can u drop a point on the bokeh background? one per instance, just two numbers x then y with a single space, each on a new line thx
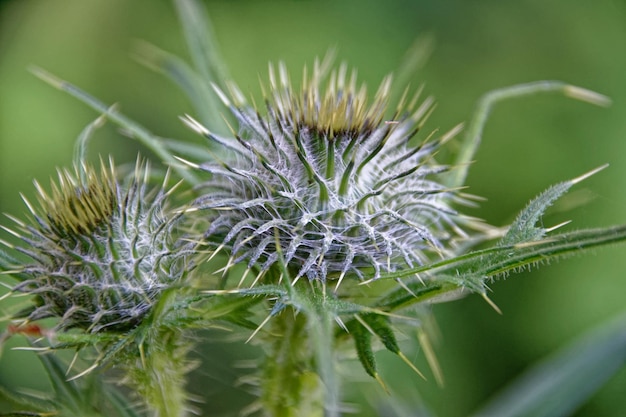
481 45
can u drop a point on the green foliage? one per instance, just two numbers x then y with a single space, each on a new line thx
313 178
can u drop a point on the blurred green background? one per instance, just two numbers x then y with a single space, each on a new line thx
528 145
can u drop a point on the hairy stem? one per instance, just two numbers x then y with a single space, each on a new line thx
158 374
290 386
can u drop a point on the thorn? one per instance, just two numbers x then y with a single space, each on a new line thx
186 162
32 349
451 133
429 353
263 323
219 292
174 187
588 174
369 281
194 125
243 277
533 243
258 277
407 289
219 248
381 382
553 228
225 269
142 356
491 303
15 219
221 95
343 274
341 324
72 362
12 232
588 96
85 372
411 365
296 279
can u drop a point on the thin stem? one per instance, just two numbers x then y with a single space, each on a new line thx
289 384
159 373
321 329
474 133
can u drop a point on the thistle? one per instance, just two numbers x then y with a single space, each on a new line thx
321 188
101 254
325 184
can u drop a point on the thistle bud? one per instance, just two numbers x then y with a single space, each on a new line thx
100 253
327 182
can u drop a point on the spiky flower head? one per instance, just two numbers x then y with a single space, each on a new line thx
100 253
326 182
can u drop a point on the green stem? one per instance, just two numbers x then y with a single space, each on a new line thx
159 373
289 381
321 330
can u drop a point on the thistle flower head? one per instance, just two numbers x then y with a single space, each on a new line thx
100 253
322 183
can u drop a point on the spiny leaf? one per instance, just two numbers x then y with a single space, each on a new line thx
523 228
502 259
415 292
8 264
363 344
381 326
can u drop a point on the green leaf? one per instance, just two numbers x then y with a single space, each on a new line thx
415 292
561 383
199 92
523 228
363 345
30 404
207 60
381 327
80 148
470 271
10 265
502 259
201 40
143 135
66 393
86 396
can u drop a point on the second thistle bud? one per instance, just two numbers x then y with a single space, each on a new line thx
100 253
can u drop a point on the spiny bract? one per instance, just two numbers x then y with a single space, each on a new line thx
101 254
324 183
